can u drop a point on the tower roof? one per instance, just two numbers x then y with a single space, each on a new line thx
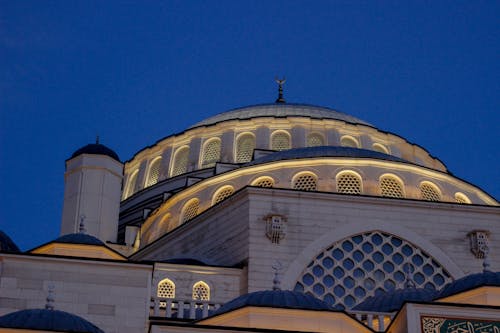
96 149
7 244
394 300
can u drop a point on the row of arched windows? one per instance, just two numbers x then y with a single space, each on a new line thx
244 147
200 290
347 182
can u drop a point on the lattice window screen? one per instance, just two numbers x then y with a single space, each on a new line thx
264 182
305 183
154 172
349 183
315 140
429 192
391 187
280 141
223 194
244 148
461 198
180 162
201 291
132 185
166 288
190 210
211 153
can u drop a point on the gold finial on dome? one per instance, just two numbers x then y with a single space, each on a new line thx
280 83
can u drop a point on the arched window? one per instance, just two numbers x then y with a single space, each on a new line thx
315 140
462 198
263 182
372 263
166 289
222 194
154 172
349 141
305 182
380 148
201 291
211 153
429 192
132 184
391 186
245 145
190 210
280 140
180 161
349 182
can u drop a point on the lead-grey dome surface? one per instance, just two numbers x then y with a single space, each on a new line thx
280 111
7 244
393 300
48 320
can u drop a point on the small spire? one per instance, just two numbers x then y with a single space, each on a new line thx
97 139
50 298
277 266
408 279
486 259
280 83
81 228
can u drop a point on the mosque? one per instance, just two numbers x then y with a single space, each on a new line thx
277 217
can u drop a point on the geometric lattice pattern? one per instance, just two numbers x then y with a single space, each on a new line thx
244 148
201 291
461 198
391 187
211 153
305 183
223 194
349 183
347 141
280 141
264 182
180 162
190 210
315 140
154 172
166 288
368 264
132 183
429 192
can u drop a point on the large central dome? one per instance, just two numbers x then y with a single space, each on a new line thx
279 111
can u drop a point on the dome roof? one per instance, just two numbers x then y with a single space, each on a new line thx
323 151
96 149
48 320
284 299
78 238
469 282
6 243
394 300
280 110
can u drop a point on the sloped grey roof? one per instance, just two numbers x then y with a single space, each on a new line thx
394 300
284 299
281 110
470 282
48 320
323 151
7 244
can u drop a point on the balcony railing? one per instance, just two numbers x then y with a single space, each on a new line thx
376 321
181 309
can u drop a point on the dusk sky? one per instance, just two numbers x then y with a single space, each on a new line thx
134 72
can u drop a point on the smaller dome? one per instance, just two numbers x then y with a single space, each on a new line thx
7 244
323 151
275 299
469 282
96 149
394 300
48 320
78 238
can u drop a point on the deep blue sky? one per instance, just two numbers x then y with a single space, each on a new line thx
134 72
